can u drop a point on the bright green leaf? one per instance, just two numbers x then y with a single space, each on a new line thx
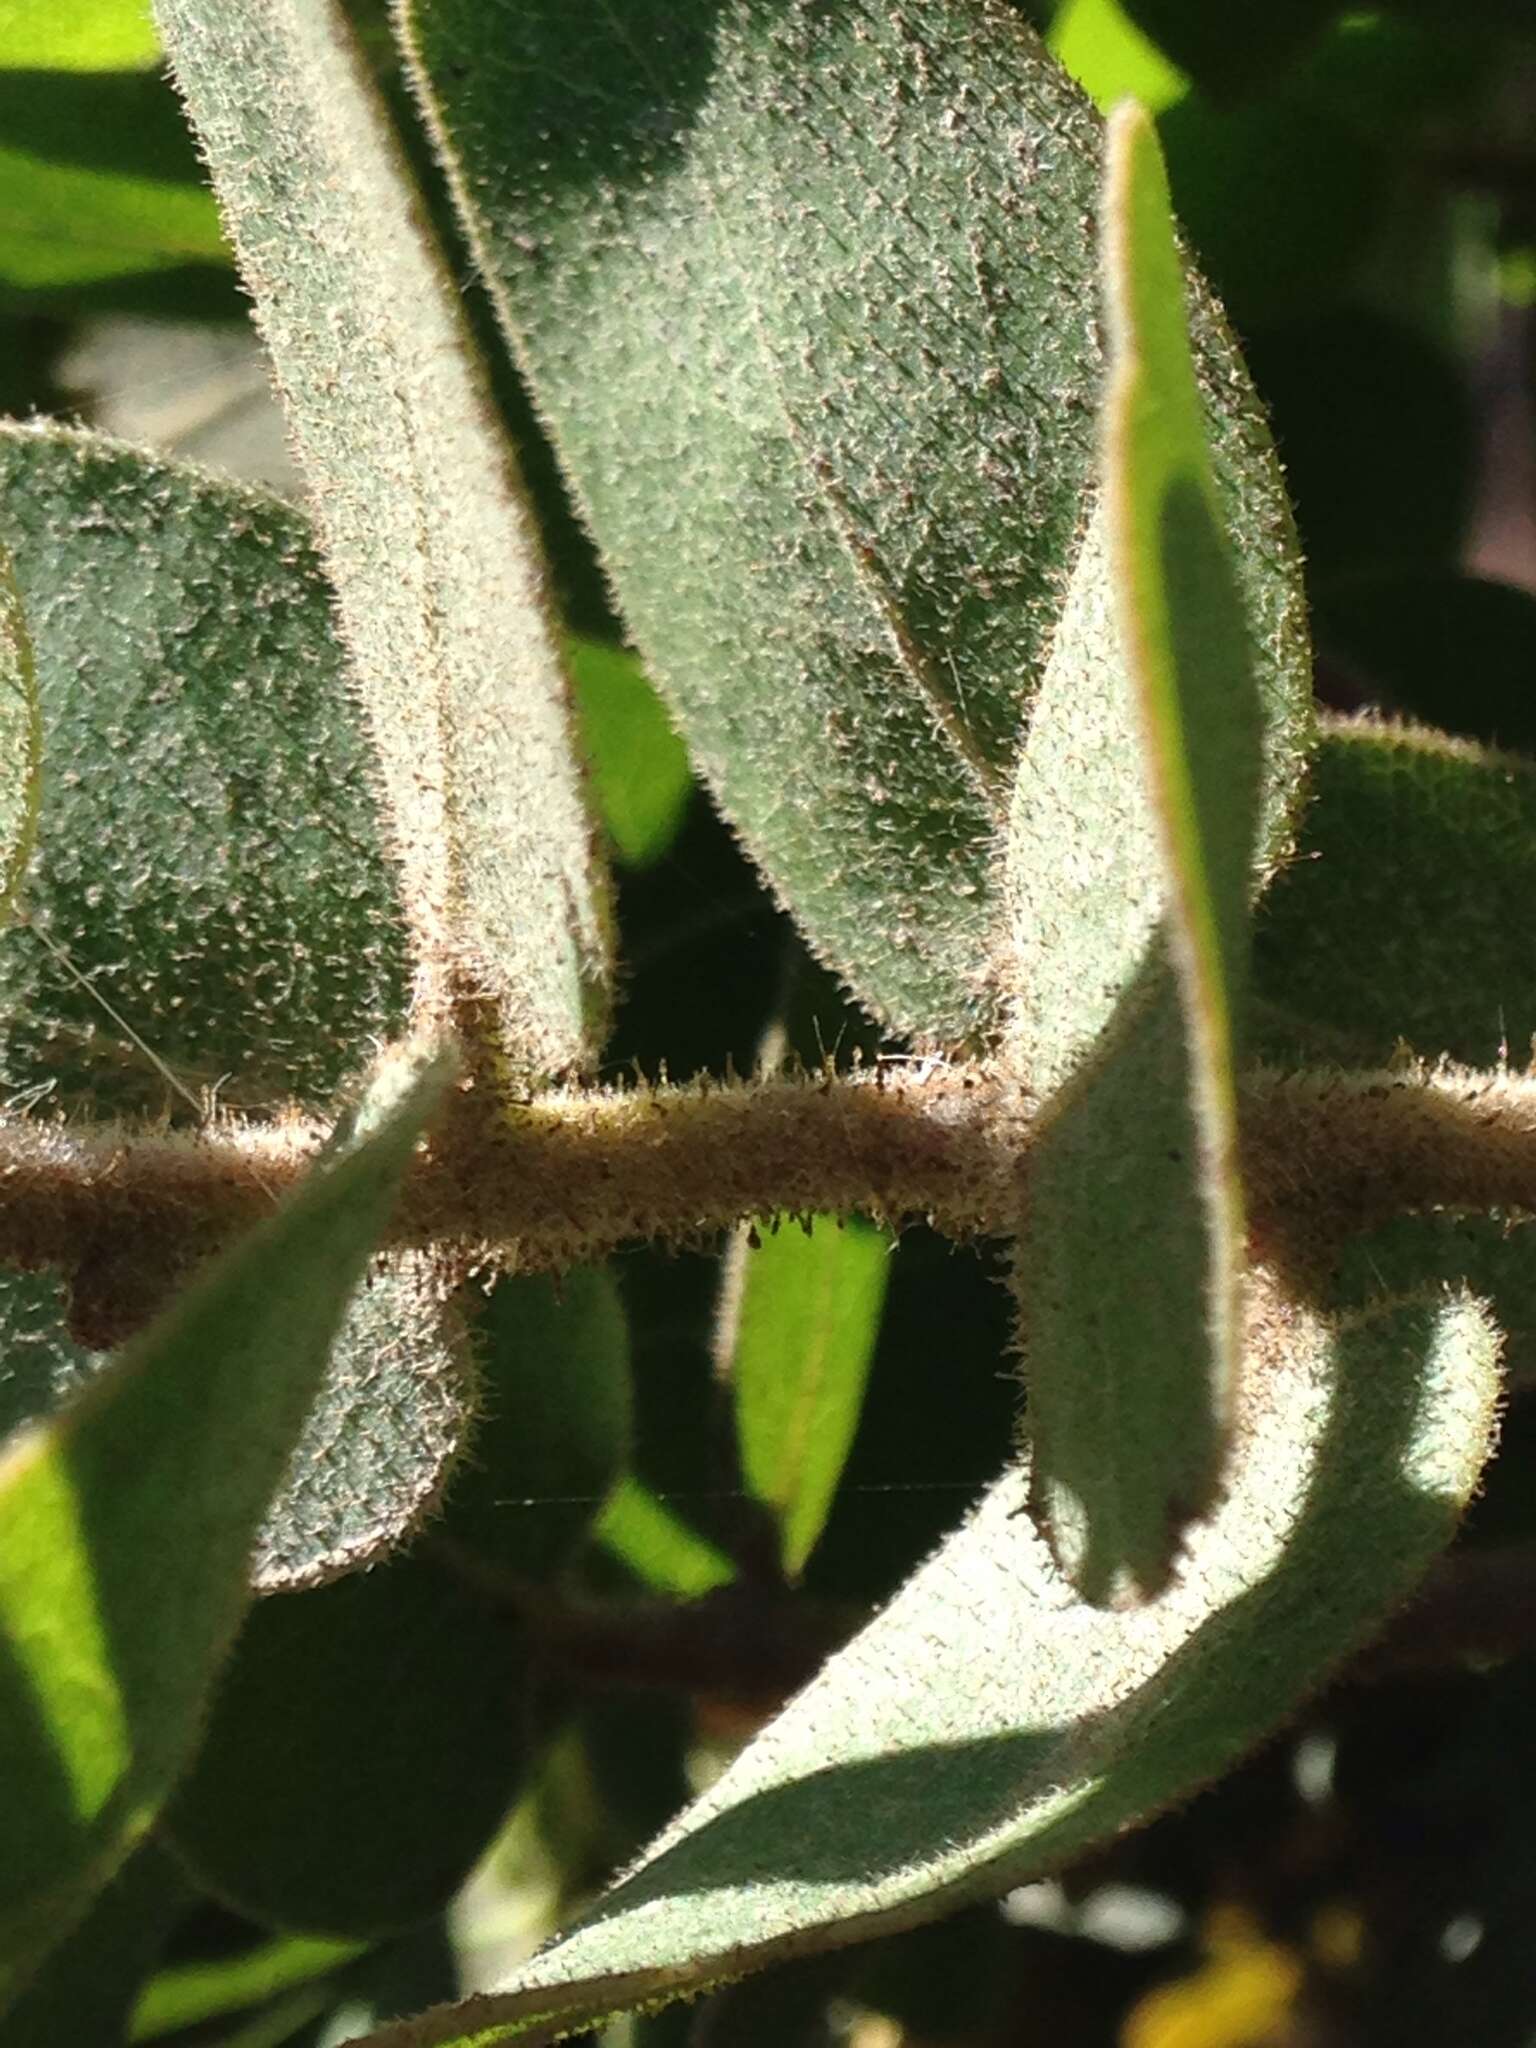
987 1728
439 585
85 35
126 1524
1110 57
808 298
798 1321
640 1530
639 766
184 1994
365 1743
1132 947
62 224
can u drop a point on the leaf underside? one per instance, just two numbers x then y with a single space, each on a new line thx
887 1794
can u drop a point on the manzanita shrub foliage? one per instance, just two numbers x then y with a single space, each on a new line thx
933 494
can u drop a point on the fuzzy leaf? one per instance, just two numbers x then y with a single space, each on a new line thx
987 1727
1409 912
21 743
1133 951
432 551
798 1321
808 298
209 907
126 1523
365 1743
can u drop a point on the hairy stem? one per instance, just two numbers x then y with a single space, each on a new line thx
573 1174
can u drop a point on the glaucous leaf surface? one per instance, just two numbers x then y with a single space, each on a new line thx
1408 915
987 1725
808 298
799 1316
434 558
1133 953
126 1523
365 1743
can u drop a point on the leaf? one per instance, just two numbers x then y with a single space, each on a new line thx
88 35
554 1435
210 907
21 742
1110 57
987 1727
184 1994
433 554
1137 840
126 1523
1356 954
661 1550
799 1316
639 765
85 1992
97 180
807 297
366 1742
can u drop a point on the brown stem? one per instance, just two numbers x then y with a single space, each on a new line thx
567 1178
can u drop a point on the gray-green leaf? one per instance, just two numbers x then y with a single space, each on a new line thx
439 583
808 298
988 1726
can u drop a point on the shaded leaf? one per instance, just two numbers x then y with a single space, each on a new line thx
638 764
434 558
987 1727
86 1991
553 1437
365 1743
184 1994
819 284
799 1316
1409 912
1136 836
126 1523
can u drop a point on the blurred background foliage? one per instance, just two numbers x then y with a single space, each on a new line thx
655 1561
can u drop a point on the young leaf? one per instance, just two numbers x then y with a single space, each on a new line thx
431 549
365 1743
1137 837
819 283
88 35
126 1524
639 767
987 1727
796 1337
